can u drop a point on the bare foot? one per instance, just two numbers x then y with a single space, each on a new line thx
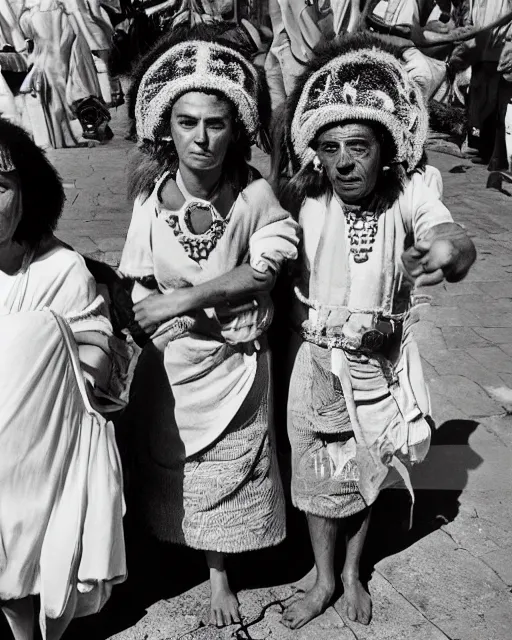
357 604
223 604
314 602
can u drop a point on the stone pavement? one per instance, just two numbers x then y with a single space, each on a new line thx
450 577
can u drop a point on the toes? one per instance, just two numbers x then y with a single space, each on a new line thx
223 617
365 618
366 615
291 623
351 613
289 618
231 617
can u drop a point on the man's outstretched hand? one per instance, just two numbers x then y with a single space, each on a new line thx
445 252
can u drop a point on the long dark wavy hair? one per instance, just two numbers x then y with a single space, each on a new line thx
305 182
152 159
42 194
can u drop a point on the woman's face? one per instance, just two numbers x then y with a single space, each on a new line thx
351 156
10 205
201 129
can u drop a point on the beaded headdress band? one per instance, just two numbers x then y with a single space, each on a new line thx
196 66
6 163
367 84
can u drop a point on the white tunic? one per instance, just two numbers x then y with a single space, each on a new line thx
61 502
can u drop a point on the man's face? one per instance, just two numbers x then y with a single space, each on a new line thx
201 129
351 156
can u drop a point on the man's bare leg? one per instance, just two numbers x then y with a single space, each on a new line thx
357 604
224 604
20 616
323 540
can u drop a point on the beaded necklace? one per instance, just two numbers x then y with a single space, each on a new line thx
198 246
362 230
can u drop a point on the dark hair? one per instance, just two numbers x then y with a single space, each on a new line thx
42 195
305 181
152 159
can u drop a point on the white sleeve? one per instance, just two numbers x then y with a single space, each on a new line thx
434 180
137 257
270 246
276 238
421 206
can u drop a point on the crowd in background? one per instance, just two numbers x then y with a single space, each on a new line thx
61 94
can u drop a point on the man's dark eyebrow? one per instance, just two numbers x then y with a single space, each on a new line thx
212 119
357 139
217 119
354 138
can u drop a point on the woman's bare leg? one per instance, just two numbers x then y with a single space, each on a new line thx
323 540
357 604
20 616
224 604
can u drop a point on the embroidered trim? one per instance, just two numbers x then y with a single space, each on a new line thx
92 311
174 328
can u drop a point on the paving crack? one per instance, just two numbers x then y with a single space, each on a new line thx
244 627
507 584
480 558
243 632
458 546
415 607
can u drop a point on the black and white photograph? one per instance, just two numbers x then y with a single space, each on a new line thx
256 319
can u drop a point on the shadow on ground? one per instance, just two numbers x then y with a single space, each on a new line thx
389 532
161 571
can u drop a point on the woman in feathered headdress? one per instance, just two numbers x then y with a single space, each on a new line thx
374 229
207 233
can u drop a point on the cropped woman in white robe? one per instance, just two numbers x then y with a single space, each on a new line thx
61 503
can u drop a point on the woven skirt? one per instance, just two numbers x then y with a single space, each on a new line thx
228 497
328 465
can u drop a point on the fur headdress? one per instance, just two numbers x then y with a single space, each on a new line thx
231 74
352 78
360 79
196 65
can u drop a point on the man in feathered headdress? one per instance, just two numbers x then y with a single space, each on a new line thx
374 229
